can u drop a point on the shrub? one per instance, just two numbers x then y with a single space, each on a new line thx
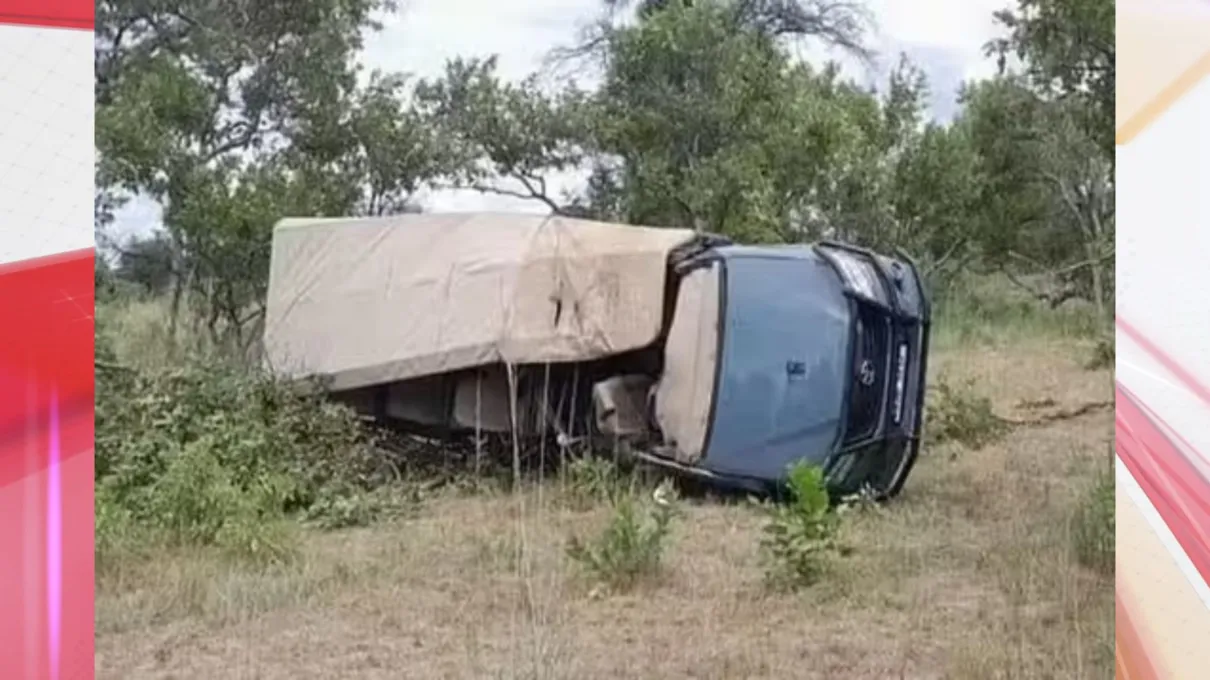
592 479
1103 354
963 415
1093 530
210 454
801 535
982 309
633 543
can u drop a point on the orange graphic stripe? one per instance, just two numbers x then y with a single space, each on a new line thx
1153 109
1131 659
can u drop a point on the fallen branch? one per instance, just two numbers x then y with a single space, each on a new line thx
1067 414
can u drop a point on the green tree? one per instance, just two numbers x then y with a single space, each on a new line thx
147 263
935 195
704 119
709 122
1068 48
695 110
1046 192
233 113
503 138
841 23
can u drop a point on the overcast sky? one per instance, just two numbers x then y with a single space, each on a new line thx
943 37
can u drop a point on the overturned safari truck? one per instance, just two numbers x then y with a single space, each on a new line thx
722 361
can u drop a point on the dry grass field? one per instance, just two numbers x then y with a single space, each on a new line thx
971 573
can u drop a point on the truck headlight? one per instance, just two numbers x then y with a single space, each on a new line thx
860 274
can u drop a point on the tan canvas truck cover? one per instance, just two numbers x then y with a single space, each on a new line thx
377 300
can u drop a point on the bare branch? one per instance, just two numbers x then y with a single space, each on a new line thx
1054 299
945 257
1069 268
531 193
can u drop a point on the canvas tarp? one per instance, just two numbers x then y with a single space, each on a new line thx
377 300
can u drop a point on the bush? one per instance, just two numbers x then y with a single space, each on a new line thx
211 454
1103 354
801 535
989 309
963 415
1093 531
632 546
592 479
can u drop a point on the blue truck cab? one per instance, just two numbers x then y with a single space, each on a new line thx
820 357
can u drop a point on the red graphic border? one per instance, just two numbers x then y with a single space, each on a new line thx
1172 474
75 14
46 438
46 467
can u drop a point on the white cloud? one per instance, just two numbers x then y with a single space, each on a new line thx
944 37
426 33
962 25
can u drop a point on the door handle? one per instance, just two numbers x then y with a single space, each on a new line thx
796 369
